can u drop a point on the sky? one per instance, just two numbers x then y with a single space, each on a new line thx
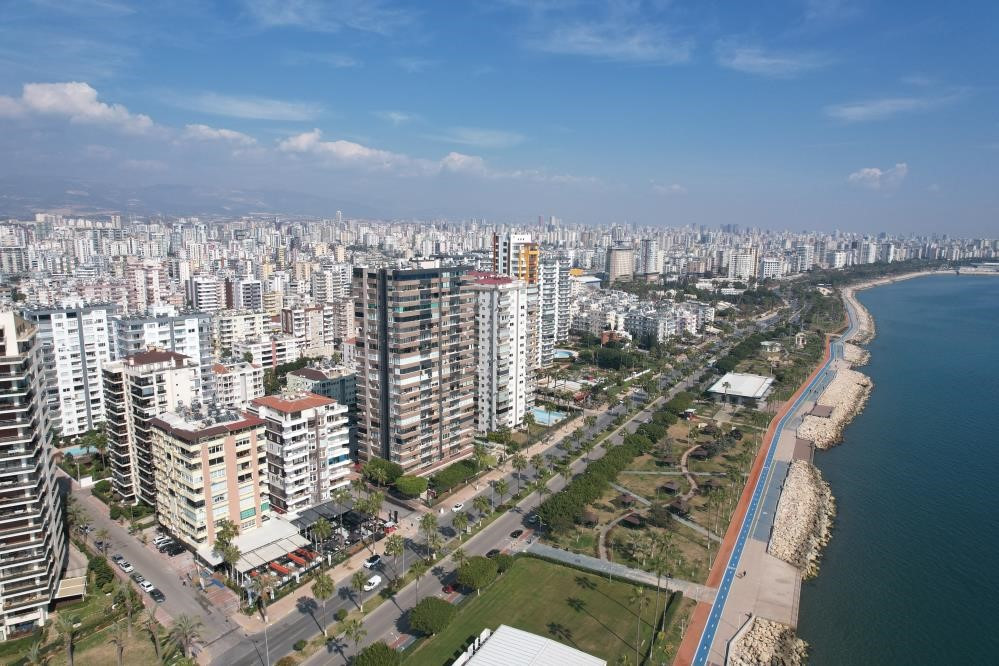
855 115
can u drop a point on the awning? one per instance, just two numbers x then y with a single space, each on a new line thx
72 587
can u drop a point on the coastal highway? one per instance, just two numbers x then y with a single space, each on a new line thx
763 483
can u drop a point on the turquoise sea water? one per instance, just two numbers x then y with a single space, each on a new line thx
911 575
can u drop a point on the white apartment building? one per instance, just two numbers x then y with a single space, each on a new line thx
244 294
32 535
206 293
649 260
504 388
237 383
308 448
75 344
771 267
270 352
231 327
620 264
742 265
804 258
210 466
187 334
516 255
554 291
137 389
148 284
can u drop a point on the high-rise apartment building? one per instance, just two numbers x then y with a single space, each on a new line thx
308 448
742 265
237 383
804 258
649 262
75 344
232 327
517 256
210 466
163 328
554 295
32 536
415 366
244 294
504 387
206 293
137 389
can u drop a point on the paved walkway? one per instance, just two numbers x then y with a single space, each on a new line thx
602 537
686 472
690 590
627 491
640 471
703 531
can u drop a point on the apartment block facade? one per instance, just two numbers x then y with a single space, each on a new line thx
237 383
415 365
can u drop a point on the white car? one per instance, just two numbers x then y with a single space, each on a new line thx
372 583
457 507
126 567
147 586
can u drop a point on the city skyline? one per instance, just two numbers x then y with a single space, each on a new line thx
798 115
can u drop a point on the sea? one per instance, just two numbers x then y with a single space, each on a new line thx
911 575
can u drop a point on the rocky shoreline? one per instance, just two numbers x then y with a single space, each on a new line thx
768 643
847 394
855 355
804 518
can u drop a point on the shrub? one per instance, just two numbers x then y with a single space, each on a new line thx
503 562
477 572
341 614
431 615
99 567
392 470
453 475
115 512
411 486
300 645
378 654
286 661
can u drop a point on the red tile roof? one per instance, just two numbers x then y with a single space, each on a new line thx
295 403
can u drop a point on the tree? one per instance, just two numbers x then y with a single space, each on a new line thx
104 536
529 422
395 545
101 571
590 420
152 626
502 487
225 532
321 531
460 523
428 523
638 598
432 615
185 632
459 556
357 583
411 486
123 591
35 656
248 357
482 505
477 572
66 626
323 588
231 555
378 475
340 496
378 654
262 586
435 543
537 462
119 638
519 464
355 632
418 570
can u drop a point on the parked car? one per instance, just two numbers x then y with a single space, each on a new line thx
163 545
493 553
372 583
147 586
157 596
372 561
138 578
125 566
117 557
516 534
458 507
161 539
174 549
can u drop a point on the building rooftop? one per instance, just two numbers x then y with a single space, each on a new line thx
191 425
293 402
151 356
742 385
508 646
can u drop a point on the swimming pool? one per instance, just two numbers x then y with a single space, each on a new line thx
562 354
547 417
76 451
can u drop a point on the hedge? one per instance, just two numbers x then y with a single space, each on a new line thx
453 475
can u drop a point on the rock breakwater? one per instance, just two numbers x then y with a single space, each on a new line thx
856 356
768 643
846 394
804 518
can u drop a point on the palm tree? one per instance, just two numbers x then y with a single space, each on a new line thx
123 591
502 487
482 505
459 557
359 487
588 447
323 588
562 467
428 523
225 532
638 598
658 564
460 523
262 586
340 496
529 421
590 421
355 632
119 638
357 583
66 626
322 531
103 536
536 462
520 464
35 656
435 543
395 545
186 631
378 475
154 633
231 555
418 569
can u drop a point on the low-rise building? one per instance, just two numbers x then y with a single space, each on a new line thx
236 384
270 352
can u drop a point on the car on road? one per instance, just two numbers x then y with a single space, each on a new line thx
516 534
147 586
138 578
174 549
102 545
163 545
161 539
372 561
372 583
457 507
533 519
493 553
117 557
157 596
125 566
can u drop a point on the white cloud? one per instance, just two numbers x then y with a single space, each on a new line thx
329 15
396 117
349 153
755 60
672 188
415 65
618 41
479 137
257 108
873 178
74 100
886 107
336 60
464 163
206 133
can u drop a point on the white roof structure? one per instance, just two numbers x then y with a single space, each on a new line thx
275 538
742 385
514 647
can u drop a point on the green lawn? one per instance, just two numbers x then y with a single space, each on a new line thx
575 608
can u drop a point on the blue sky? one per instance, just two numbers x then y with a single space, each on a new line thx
798 114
